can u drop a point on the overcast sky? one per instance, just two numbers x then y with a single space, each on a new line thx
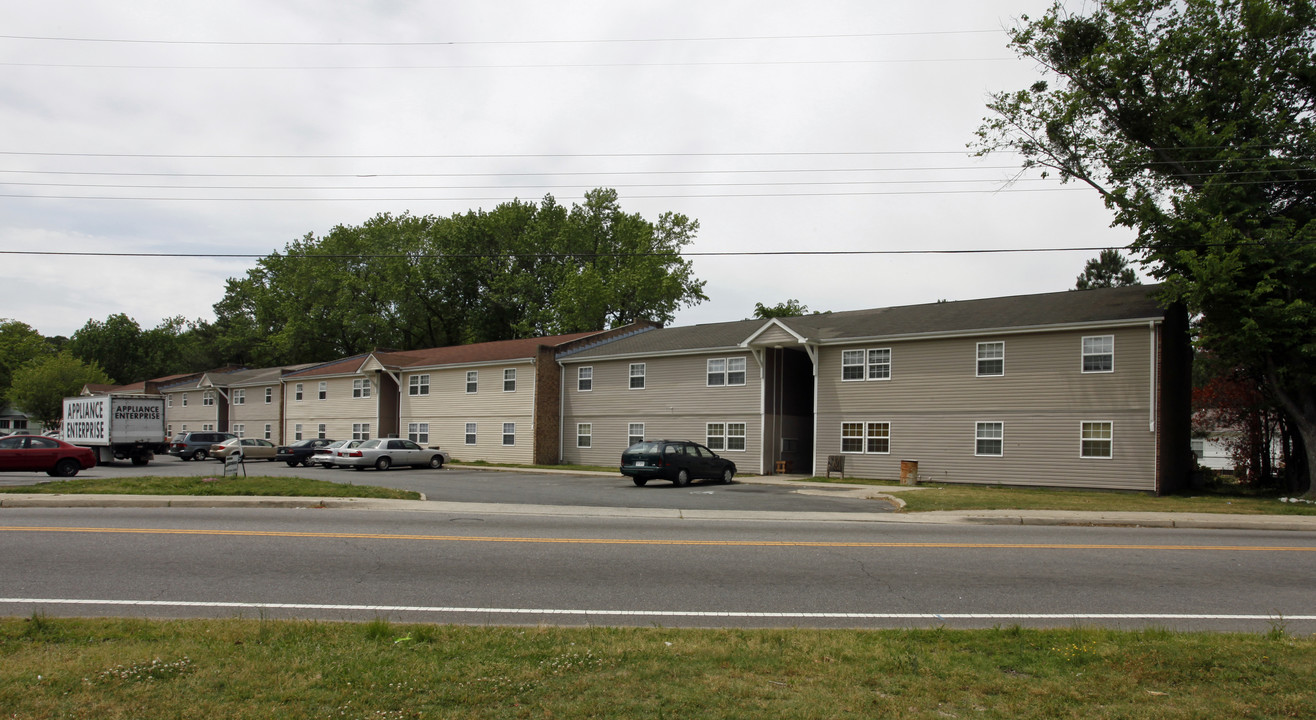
236 127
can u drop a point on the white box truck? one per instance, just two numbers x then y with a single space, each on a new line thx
117 427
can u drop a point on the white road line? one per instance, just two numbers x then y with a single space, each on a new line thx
652 613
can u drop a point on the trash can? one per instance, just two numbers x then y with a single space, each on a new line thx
908 472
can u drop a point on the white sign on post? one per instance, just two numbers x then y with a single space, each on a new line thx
232 462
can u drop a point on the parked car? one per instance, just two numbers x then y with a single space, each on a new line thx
325 456
301 451
677 460
193 445
383 453
34 453
252 449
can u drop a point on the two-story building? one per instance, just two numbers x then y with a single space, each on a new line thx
1079 388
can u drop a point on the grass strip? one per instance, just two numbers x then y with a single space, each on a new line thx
257 668
252 485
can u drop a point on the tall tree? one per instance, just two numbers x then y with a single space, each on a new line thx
1195 120
789 308
19 345
114 345
1109 269
41 386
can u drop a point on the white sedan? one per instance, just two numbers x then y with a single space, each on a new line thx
383 453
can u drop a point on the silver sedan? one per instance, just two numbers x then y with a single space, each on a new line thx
383 453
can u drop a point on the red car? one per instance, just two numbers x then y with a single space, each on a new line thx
33 453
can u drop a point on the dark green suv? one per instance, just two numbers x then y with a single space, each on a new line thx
195 445
677 460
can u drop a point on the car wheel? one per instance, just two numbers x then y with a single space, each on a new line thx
306 462
68 467
141 459
727 475
199 455
357 468
382 463
682 478
291 463
436 462
639 482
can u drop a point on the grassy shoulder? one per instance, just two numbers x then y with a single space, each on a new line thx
273 669
933 496
571 468
251 485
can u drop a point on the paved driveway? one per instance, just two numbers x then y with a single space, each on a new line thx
456 484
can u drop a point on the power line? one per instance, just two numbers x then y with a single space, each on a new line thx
507 66
542 173
504 197
481 156
747 253
440 43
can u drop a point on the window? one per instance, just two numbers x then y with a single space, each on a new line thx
509 380
21 425
361 388
324 390
735 436
297 392
1099 354
584 379
210 427
1096 440
319 431
418 432
470 433
991 359
240 430
509 433
297 431
852 365
852 437
418 385
989 439
169 401
239 397
637 376
360 431
269 395
715 436
634 433
584 435
878 438
879 364
472 380
184 399
269 430
717 372
208 397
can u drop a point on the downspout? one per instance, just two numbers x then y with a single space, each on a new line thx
813 358
763 409
1151 371
561 412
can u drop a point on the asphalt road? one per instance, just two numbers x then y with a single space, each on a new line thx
498 569
454 484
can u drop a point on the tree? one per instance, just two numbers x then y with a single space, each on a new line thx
407 282
39 387
1109 269
1193 120
19 345
789 308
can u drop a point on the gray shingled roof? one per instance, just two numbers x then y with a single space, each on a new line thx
989 314
1136 302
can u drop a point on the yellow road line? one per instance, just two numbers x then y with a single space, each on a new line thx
634 541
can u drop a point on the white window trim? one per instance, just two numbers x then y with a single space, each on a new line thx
978 359
239 397
322 391
1083 355
722 438
868 365
976 423
298 392
726 444
630 435
361 388
505 434
512 379
862 438
580 379
585 431
726 371
472 378
269 396
417 388
471 430
863 365
644 376
1111 456
887 423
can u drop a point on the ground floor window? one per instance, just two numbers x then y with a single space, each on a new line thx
989 439
269 430
584 435
240 430
852 437
509 433
715 436
208 428
320 431
878 438
735 436
418 432
360 431
470 433
634 433
297 431
1097 440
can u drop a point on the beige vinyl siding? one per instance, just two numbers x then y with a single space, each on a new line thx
338 411
776 336
254 413
676 404
448 408
194 416
934 398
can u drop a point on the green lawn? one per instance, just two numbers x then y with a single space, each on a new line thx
111 669
252 485
932 496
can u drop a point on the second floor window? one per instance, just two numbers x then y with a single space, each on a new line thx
472 381
585 379
297 392
360 388
418 385
991 359
269 397
509 380
324 391
239 397
1099 354
637 376
208 398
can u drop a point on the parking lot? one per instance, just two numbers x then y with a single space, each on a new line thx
461 484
